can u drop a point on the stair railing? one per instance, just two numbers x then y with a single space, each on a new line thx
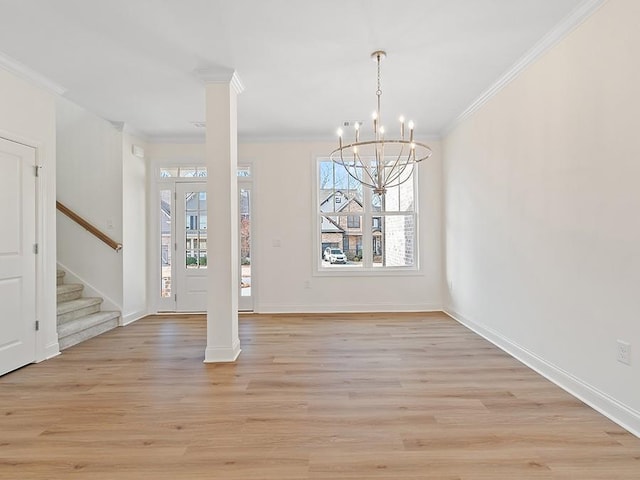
88 227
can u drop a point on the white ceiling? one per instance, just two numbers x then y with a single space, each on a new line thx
305 64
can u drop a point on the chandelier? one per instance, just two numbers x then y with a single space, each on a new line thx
381 162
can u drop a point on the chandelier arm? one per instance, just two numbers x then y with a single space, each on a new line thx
423 156
399 172
408 177
386 174
395 164
348 169
393 185
363 167
380 163
366 169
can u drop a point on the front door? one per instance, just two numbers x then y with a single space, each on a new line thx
17 257
191 247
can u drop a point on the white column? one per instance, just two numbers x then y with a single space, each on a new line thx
222 89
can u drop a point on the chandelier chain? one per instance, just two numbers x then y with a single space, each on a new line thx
379 90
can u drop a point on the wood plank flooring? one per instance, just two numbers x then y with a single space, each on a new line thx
393 396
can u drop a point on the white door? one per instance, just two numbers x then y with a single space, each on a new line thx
17 257
190 262
245 298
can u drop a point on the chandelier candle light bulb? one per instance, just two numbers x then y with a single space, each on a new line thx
381 163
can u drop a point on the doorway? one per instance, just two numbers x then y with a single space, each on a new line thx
183 256
180 218
17 255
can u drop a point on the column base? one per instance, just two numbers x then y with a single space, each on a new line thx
222 354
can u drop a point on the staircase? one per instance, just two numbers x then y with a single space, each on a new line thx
80 318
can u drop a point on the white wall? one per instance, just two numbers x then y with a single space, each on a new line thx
541 213
177 153
90 182
283 210
27 115
134 230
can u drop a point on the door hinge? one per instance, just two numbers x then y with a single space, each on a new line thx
37 325
36 169
175 297
175 246
35 248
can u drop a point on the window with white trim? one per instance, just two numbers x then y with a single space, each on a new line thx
360 230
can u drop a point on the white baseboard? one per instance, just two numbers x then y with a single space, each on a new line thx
129 318
608 406
348 308
50 351
222 354
89 290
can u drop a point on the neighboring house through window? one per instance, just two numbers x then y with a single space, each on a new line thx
374 232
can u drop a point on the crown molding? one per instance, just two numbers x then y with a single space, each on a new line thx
13 66
200 138
134 132
220 75
302 138
119 126
179 139
560 31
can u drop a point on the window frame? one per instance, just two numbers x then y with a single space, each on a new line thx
367 227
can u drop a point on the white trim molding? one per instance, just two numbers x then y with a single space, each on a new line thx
13 66
608 406
560 31
348 308
50 351
131 317
183 139
221 75
222 354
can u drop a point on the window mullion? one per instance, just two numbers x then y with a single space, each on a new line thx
367 222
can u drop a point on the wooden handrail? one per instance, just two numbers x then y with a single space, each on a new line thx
88 227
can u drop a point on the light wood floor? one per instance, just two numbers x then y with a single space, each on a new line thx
402 396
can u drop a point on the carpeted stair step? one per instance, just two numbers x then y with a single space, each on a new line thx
80 307
69 291
80 329
60 277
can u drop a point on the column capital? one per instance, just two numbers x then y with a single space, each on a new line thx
221 75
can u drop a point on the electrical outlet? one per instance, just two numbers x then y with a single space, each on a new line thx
307 284
624 352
